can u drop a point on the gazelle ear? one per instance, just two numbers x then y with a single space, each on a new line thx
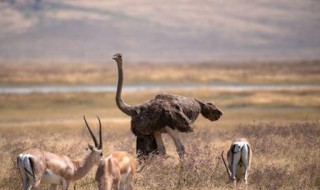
90 146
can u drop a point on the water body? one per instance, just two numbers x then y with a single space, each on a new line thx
6 89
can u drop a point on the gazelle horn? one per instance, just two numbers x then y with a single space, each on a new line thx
100 134
91 133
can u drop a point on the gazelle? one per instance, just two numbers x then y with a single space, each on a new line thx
239 159
42 167
116 171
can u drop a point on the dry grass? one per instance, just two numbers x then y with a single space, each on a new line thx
80 73
282 126
285 156
285 152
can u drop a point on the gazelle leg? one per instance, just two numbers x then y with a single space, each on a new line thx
64 184
115 179
129 182
246 177
245 161
175 137
161 147
23 174
34 183
29 184
116 184
235 161
53 187
122 185
24 184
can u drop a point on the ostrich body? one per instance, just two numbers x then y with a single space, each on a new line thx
165 113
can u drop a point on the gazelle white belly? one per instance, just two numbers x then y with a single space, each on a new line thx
50 178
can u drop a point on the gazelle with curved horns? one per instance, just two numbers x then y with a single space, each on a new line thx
42 167
239 160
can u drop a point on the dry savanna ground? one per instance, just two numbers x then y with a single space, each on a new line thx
84 73
282 126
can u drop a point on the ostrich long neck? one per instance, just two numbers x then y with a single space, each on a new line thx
121 105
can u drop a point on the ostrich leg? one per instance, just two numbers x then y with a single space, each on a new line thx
145 145
175 137
161 147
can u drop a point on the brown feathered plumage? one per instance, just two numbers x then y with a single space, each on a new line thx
177 112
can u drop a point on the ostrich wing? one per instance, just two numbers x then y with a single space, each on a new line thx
189 106
176 118
149 118
156 114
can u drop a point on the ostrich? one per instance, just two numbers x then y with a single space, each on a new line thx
165 113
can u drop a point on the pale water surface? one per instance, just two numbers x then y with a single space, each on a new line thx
6 89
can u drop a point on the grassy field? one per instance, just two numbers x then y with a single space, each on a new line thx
84 73
282 126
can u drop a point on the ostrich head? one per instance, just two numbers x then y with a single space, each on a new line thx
210 111
118 58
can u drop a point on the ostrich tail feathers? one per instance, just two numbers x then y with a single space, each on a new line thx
210 110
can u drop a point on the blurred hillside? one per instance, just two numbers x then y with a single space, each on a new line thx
159 31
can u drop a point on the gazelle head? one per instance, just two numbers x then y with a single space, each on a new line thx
96 150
